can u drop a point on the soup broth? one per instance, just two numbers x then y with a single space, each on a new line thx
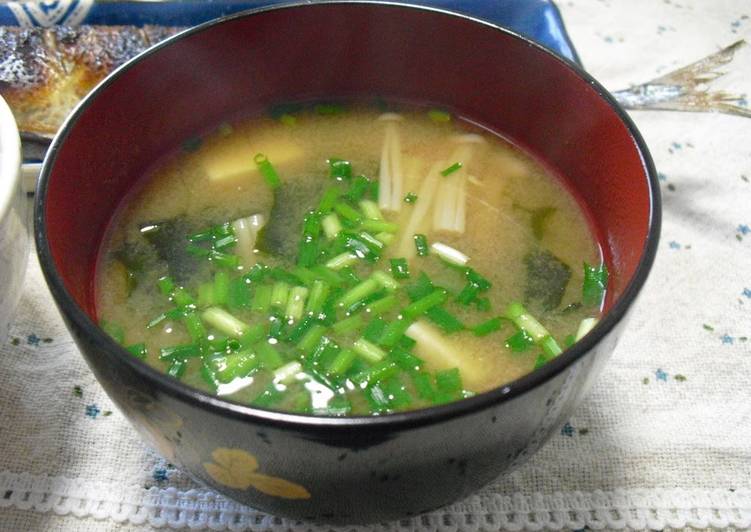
349 262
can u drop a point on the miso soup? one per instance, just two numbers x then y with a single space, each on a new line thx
341 261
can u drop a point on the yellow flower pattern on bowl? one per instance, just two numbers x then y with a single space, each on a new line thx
238 469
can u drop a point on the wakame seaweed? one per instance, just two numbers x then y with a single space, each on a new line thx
547 278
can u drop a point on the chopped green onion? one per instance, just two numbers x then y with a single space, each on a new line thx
138 350
483 304
448 381
177 368
376 373
288 119
385 280
221 287
379 226
540 361
385 238
595 283
374 330
358 188
268 397
487 327
279 294
206 295
423 385
586 325
262 299
301 328
411 197
347 212
359 292
257 273
237 365
439 116
468 293
342 362
267 171
253 334
569 340
296 302
550 347
406 360
196 330
369 352
268 356
328 200
331 225
340 169
224 260
449 254
519 341
370 209
318 294
451 169
420 288
311 338
394 332
399 268
276 324
419 307
179 352
382 305
444 319
287 373
352 323
518 314
173 314
475 278
166 285
421 244
182 298
224 322
238 294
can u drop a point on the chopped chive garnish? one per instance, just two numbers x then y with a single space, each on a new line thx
287 373
444 319
385 238
279 294
421 287
177 368
230 367
438 115
451 169
540 361
382 305
399 268
195 327
483 304
422 382
267 170
411 197
569 340
347 212
342 362
331 225
359 292
221 287
342 261
166 285
224 322
270 396
268 355
380 371
296 303
340 169
487 327
224 260
374 330
257 273
358 188
173 314
394 332
475 278
550 347
296 334
448 381
238 293
369 352
385 280
138 350
421 244
468 293
179 352
379 226
253 334
311 338
262 299
318 294
419 307
406 360
595 283
328 200
370 209
519 341
518 314
352 323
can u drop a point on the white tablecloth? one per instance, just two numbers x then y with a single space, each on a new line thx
663 440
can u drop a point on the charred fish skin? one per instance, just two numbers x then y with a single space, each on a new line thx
44 73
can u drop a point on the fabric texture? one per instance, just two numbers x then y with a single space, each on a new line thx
662 441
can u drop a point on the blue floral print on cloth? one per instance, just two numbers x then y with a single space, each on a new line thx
662 439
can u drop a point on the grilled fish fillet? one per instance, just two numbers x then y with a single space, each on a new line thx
45 72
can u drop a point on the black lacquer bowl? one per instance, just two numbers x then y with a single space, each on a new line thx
349 470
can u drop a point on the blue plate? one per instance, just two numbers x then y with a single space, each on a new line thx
538 20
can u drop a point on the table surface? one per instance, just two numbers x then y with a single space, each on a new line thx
664 438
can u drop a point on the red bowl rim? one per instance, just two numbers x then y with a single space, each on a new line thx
396 421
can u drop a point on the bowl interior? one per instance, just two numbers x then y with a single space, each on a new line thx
335 51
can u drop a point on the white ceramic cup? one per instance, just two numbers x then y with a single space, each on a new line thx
14 236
